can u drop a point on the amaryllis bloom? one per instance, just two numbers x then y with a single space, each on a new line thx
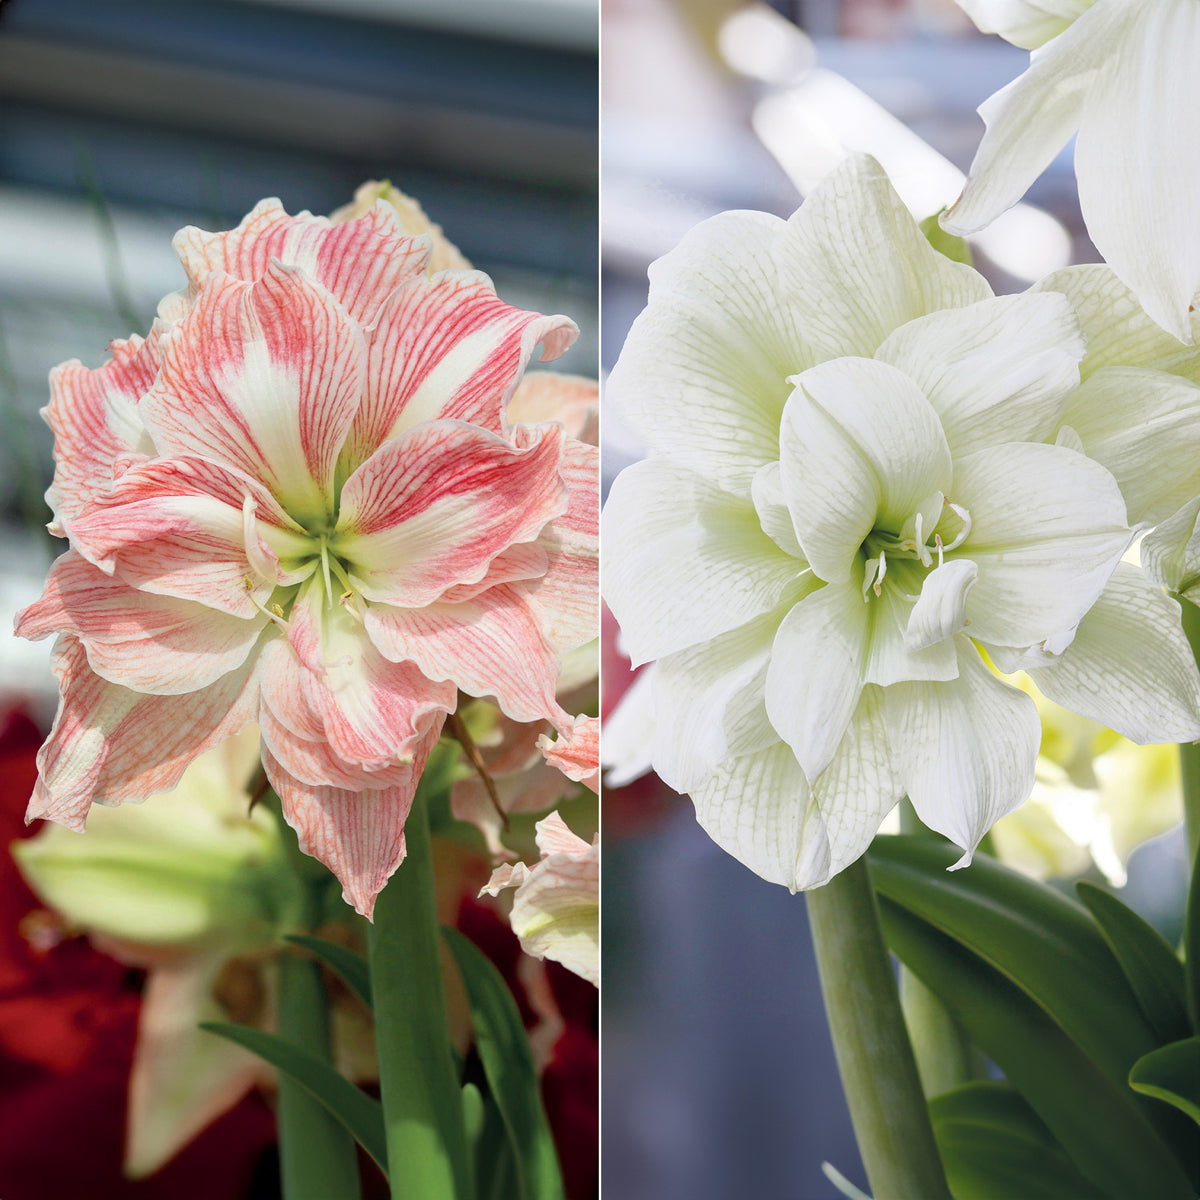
859 478
1121 73
556 906
299 502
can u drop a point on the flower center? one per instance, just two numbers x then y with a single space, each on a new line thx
937 527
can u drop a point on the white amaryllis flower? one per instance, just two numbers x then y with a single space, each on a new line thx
854 484
1123 74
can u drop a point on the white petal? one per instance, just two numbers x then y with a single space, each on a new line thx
703 373
860 447
709 700
1025 23
1116 327
685 561
1032 119
1171 552
999 371
941 609
965 749
1048 527
1138 165
889 658
862 267
816 672
1129 666
1144 427
627 746
771 506
760 810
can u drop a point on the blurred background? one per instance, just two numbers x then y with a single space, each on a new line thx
121 122
719 1078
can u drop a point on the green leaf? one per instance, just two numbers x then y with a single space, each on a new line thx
1153 969
1098 1123
1042 941
508 1065
348 965
994 1147
1171 1073
1191 947
954 248
360 1114
472 1102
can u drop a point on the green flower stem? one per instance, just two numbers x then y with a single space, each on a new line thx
316 1154
422 1104
941 1048
1189 753
879 1073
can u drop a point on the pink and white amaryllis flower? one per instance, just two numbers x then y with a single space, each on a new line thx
299 502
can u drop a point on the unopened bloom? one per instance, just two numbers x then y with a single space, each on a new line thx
1121 73
856 481
556 906
299 502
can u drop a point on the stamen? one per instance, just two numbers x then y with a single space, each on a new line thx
275 612
325 570
877 586
965 531
937 538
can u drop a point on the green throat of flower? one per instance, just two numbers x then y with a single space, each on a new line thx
937 527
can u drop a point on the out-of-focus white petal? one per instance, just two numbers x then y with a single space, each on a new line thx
685 561
1129 666
1171 552
1025 23
965 749
998 371
860 446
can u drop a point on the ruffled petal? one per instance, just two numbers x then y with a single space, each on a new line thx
685 561
193 529
860 447
1048 528
266 378
571 400
95 419
999 371
361 262
1138 171
941 609
358 835
110 745
702 376
490 646
1129 665
576 751
858 267
433 508
154 644
1143 426
447 348
1171 552
965 749
1032 119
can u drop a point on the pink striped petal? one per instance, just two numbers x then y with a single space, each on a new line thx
154 644
576 752
195 529
95 419
328 685
112 745
266 378
571 400
358 835
567 599
447 347
360 262
434 507
490 646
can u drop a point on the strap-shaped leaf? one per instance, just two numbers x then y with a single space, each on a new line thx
1191 944
994 1147
349 966
1151 966
1042 941
357 1111
1098 1123
508 1065
1171 1073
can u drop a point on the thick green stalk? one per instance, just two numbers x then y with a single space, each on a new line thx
879 1073
1189 753
422 1103
316 1154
